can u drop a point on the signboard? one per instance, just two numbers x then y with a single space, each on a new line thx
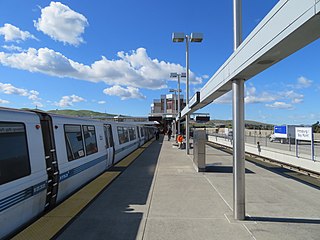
280 131
304 133
202 118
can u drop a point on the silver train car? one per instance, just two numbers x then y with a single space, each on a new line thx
45 157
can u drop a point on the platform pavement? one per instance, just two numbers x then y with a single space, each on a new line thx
161 196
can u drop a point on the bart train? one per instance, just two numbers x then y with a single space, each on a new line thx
46 157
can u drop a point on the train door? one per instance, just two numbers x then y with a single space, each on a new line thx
109 144
51 160
139 139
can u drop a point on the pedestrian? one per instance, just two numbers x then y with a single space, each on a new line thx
180 141
157 134
169 134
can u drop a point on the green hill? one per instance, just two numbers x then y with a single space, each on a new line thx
81 113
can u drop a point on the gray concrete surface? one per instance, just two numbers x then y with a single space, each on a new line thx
161 196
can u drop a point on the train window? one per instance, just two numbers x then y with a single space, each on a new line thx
74 141
132 133
138 132
14 157
90 139
123 134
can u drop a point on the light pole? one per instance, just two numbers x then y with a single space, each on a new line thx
180 37
178 75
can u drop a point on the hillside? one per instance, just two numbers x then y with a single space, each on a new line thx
228 123
81 113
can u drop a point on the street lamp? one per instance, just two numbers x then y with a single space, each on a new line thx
178 75
180 37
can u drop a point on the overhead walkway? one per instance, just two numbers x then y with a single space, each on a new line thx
161 196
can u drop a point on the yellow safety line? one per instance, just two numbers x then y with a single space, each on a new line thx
51 223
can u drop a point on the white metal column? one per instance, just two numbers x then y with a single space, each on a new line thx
238 125
187 95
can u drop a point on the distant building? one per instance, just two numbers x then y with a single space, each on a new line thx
165 110
167 106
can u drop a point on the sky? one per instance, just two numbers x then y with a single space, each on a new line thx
116 56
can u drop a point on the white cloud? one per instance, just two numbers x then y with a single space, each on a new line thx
67 101
124 93
293 96
62 23
136 69
4 101
280 105
8 88
13 33
251 96
12 48
101 102
303 82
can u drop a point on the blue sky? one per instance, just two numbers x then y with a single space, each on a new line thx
115 56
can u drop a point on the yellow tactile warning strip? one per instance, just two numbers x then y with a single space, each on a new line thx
130 158
51 223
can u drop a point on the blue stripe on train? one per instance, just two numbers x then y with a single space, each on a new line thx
81 168
34 190
22 195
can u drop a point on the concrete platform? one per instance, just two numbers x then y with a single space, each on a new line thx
161 196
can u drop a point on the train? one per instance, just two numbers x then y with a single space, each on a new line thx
45 157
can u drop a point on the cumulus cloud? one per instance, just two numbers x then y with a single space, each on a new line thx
134 69
67 101
33 95
124 93
62 23
252 97
280 105
13 33
302 82
293 96
8 88
101 102
4 101
12 48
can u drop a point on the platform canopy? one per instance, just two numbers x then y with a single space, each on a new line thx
288 27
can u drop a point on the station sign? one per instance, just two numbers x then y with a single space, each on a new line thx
304 133
280 131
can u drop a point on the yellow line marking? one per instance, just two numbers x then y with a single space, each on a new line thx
51 223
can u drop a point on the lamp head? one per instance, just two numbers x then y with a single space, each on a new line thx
196 37
178 37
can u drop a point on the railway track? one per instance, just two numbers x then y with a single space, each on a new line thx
305 176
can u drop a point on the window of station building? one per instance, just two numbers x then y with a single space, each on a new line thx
14 155
74 142
132 133
123 134
90 139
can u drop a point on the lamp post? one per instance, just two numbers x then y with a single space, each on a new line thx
178 75
180 37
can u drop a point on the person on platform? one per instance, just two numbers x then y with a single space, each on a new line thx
169 134
180 141
157 134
